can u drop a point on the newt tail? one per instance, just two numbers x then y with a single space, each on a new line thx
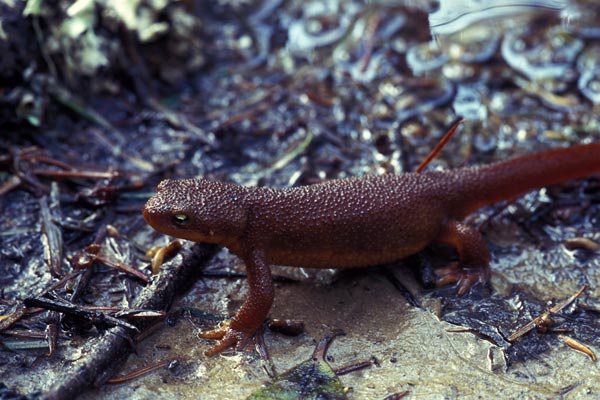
506 180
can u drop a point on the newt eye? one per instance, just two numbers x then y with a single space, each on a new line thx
180 219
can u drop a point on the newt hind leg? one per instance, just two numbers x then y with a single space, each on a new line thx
474 256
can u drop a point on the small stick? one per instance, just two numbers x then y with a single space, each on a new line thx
440 145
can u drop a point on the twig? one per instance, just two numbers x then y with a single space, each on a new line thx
107 353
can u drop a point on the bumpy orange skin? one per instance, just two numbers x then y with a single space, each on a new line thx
348 223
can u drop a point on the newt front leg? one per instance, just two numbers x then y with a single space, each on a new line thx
253 312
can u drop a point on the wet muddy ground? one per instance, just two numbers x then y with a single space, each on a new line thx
98 104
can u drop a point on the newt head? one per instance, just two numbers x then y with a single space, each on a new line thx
197 209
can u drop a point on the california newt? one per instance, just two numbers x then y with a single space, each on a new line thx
355 222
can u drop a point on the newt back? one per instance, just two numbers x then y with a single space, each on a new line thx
345 223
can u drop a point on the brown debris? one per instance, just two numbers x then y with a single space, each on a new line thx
544 321
107 352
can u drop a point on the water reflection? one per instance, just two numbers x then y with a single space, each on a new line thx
541 53
549 42
589 80
456 15
323 23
